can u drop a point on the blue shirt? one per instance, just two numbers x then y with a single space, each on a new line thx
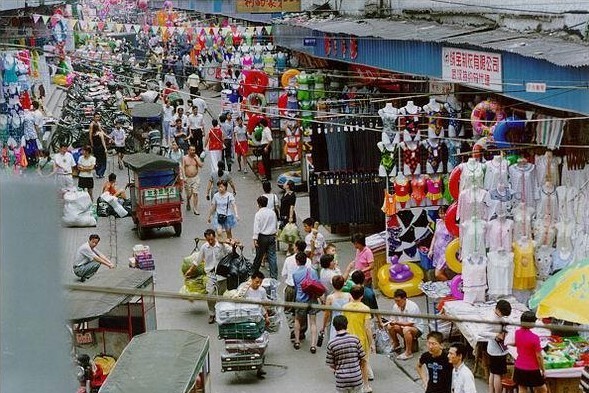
298 276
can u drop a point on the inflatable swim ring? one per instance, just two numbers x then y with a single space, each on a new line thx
454 182
452 256
511 124
410 286
456 287
282 103
289 77
255 102
450 220
254 81
485 115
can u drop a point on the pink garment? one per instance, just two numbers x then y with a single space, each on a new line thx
473 202
363 259
499 234
527 344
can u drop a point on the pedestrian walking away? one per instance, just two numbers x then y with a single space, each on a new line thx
265 227
88 259
214 144
346 357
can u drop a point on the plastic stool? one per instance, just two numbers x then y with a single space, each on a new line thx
508 385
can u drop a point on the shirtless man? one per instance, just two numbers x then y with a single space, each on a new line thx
190 167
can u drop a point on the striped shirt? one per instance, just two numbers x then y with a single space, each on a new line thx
344 353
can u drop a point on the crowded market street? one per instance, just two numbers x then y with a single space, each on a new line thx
259 196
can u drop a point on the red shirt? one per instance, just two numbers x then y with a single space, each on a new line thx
528 345
215 138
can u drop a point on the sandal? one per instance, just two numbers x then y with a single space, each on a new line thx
313 350
297 346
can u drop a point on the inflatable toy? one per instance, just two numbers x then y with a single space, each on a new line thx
456 287
450 220
255 102
485 115
410 286
454 182
452 260
253 121
289 77
254 81
400 272
479 146
510 125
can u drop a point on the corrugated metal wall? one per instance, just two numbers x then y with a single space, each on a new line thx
424 59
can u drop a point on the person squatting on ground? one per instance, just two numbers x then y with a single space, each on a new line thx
265 226
191 165
407 327
88 259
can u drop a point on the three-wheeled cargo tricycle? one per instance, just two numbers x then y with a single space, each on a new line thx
155 188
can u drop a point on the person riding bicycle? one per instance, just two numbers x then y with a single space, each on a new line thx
211 253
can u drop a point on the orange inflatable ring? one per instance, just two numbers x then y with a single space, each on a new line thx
484 116
411 286
450 220
288 76
454 182
255 102
255 81
452 260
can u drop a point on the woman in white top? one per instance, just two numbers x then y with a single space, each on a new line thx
223 210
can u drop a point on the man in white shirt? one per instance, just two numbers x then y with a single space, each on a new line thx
118 136
200 104
407 327
63 163
256 292
88 259
167 122
265 227
195 129
211 253
462 377
266 144
193 83
38 120
180 115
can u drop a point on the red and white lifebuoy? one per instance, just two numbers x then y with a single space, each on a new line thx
484 117
255 103
450 220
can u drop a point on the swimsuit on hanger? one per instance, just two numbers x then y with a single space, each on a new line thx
435 122
389 207
406 217
402 192
421 221
418 190
434 190
434 155
411 157
446 193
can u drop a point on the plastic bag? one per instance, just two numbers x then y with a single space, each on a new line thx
382 341
187 262
236 268
195 285
290 233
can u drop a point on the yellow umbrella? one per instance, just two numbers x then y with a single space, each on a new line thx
569 300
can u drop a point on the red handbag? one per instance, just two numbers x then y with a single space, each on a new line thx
311 286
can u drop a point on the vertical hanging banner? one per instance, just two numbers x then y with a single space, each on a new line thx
473 68
267 6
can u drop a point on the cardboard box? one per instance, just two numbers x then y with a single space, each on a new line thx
563 385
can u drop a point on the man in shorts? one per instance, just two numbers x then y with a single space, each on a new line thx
190 168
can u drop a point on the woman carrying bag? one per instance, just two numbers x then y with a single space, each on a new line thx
289 231
223 210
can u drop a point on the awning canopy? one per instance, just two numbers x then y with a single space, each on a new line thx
84 306
158 361
141 162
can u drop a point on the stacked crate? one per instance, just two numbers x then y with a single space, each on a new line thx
142 258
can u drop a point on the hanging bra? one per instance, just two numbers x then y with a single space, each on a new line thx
434 189
418 190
